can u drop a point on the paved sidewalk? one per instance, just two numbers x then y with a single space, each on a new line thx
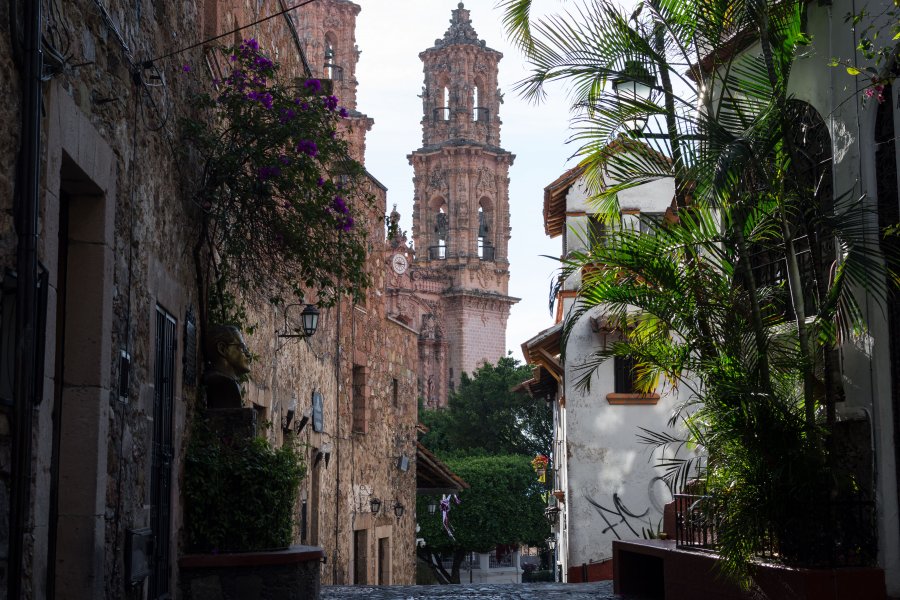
507 591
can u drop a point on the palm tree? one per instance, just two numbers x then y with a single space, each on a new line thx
741 297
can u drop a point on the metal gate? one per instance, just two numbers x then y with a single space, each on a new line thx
161 474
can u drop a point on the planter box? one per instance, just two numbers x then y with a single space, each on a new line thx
291 574
656 569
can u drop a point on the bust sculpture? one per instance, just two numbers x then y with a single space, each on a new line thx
227 359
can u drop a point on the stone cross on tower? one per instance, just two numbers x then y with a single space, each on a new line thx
461 205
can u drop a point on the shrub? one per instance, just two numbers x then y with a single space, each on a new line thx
239 494
537 576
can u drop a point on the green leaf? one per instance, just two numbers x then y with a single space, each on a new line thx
853 71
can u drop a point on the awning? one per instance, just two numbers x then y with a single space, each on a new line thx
544 349
433 476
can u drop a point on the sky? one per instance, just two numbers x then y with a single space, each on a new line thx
390 35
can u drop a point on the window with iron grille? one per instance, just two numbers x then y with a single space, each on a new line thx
163 452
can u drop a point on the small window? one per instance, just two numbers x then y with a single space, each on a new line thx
395 395
360 399
624 375
651 221
596 230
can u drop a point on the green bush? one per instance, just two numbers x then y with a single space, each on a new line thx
239 494
537 576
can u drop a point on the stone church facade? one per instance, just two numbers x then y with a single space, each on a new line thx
453 288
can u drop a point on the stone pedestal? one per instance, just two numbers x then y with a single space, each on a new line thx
291 574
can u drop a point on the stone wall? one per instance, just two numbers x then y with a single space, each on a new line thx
113 166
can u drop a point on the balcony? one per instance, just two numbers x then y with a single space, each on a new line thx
481 114
486 252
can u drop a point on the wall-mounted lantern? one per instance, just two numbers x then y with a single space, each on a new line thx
399 509
375 505
309 321
552 514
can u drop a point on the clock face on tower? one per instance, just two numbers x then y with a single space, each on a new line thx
399 264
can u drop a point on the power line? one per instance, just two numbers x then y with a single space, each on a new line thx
227 33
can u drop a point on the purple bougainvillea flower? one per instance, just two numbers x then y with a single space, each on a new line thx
252 44
307 147
313 85
264 173
343 112
320 182
185 68
284 160
264 98
233 57
331 102
339 205
287 114
347 224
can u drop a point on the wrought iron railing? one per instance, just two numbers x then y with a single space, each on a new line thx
833 533
495 563
472 561
696 522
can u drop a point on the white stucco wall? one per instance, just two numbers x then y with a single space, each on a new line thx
605 471
613 488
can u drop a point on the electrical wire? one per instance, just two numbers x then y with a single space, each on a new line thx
227 33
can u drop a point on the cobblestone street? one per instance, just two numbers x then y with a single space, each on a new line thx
508 591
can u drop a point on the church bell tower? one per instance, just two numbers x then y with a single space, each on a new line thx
461 207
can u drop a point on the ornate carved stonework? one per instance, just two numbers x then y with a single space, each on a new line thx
437 180
485 185
459 279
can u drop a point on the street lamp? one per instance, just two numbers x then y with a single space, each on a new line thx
551 543
375 505
432 506
309 322
552 514
399 509
633 86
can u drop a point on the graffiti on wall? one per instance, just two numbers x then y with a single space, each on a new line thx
620 517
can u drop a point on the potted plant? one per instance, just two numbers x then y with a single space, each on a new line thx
539 464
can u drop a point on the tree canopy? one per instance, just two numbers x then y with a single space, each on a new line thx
504 505
484 417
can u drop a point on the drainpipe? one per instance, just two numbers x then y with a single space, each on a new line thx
26 222
337 436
